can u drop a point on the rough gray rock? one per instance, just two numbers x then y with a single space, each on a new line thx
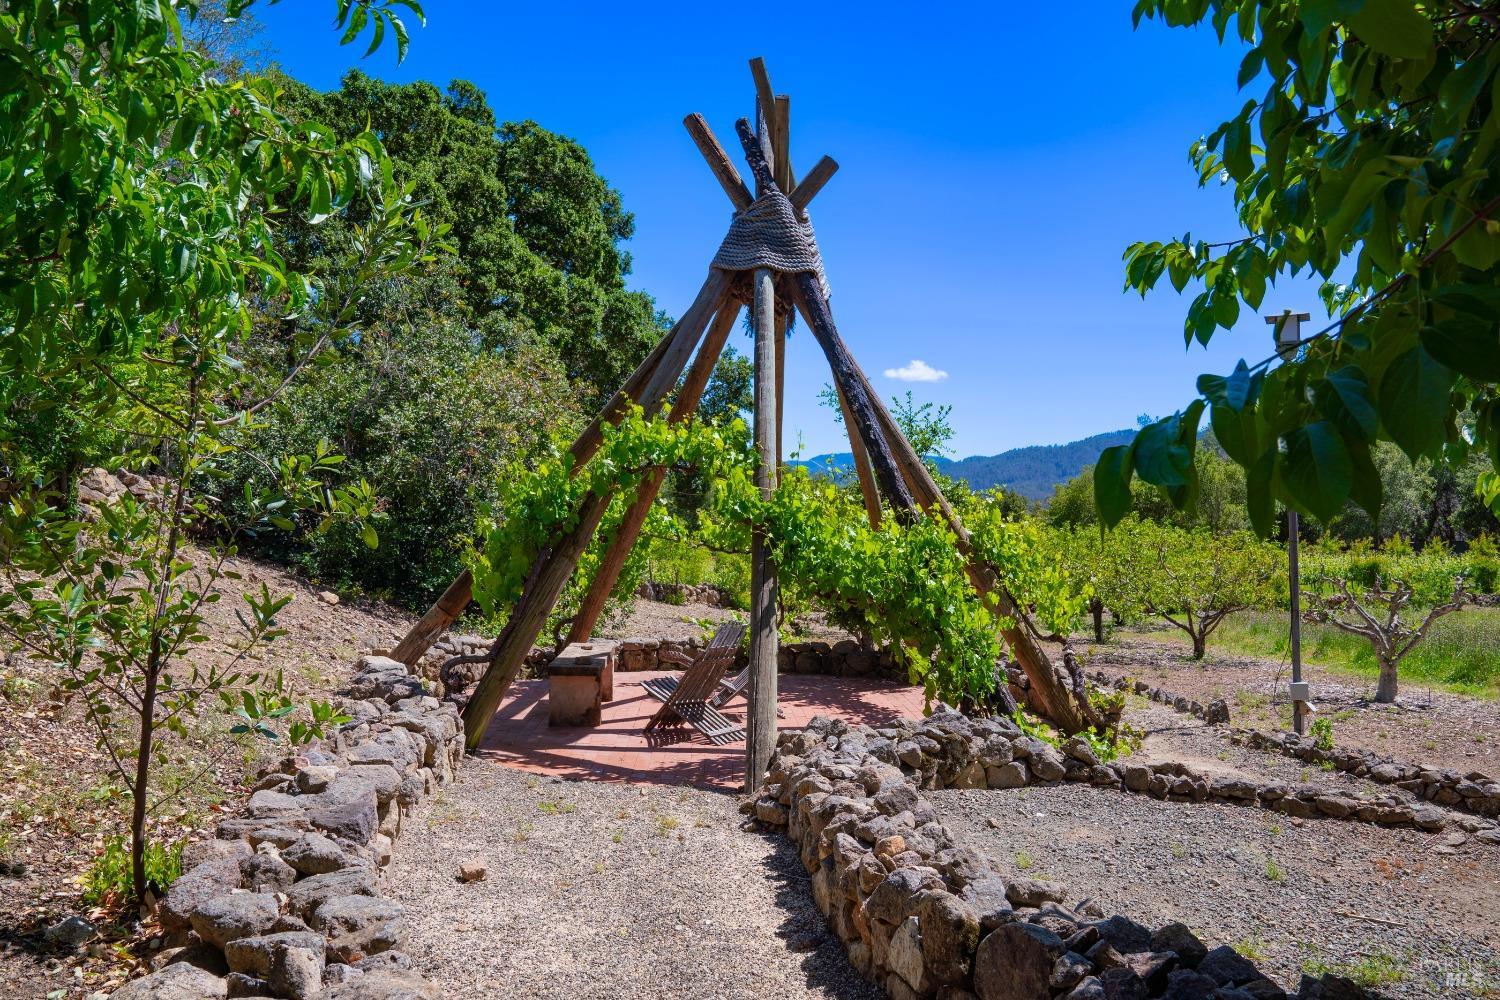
175 982
310 893
315 854
1015 962
291 963
358 926
241 914
209 880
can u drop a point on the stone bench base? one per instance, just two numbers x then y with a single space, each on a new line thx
579 680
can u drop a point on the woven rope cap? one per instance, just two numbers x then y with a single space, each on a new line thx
769 234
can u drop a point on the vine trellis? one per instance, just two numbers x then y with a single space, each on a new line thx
768 262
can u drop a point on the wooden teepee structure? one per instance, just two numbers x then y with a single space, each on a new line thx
769 261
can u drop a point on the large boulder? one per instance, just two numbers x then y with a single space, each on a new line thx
291 963
315 854
310 893
197 886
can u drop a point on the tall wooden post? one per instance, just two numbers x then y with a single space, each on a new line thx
761 728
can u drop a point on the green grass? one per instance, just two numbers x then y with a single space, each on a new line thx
1379 968
1461 654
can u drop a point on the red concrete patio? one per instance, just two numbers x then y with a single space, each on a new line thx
618 749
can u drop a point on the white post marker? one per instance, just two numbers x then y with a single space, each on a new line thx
1288 339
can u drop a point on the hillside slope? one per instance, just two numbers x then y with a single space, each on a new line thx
1031 471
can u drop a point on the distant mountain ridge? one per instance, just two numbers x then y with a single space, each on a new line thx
1032 471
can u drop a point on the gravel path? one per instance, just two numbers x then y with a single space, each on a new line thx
1282 891
604 890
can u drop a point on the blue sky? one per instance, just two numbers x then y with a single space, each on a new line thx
995 162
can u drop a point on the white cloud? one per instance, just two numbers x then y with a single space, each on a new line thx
916 370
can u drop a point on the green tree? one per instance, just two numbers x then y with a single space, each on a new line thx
136 226
1366 154
538 231
1190 578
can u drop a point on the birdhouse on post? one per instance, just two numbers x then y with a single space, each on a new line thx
1288 331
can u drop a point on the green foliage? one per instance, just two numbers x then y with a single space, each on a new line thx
537 230
1028 554
140 196
1190 578
1322 733
433 419
1220 508
109 877
1372 156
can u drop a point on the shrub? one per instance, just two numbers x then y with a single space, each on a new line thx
109 877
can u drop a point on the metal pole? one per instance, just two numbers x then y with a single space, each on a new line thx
1299 693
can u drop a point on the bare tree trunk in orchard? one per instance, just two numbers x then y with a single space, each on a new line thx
1385 687
760 741
1096 607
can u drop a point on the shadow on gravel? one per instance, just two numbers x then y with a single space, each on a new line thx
805 931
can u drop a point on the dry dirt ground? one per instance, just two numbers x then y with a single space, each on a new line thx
1415 912
1424 726
597 891
60 797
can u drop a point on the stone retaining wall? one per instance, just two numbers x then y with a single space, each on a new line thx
1473 791
845 658
286 902
926 916
1215 711
685 593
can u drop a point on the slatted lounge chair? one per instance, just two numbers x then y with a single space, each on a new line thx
689 698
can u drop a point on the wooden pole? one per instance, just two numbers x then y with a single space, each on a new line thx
765 97
760 739
718 161
861 400
861 465
451 604
806 191
629 530
781 325
781 141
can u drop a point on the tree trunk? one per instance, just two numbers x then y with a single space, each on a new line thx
141 787
1385 688
1096 607
1200 644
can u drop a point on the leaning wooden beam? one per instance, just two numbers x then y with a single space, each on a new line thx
549 575
862 402
765 97
629 530
451 604
718 161
808 189
807 293
556 563
861 465
781 325
425 632
1056 701
781 141
760 739
654 384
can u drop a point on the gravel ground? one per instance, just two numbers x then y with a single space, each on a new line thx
1175 736
1423 727
1357 897
606 890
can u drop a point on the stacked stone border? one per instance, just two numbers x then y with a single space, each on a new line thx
286 901
845 658
1216 711
926 916
1472 791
